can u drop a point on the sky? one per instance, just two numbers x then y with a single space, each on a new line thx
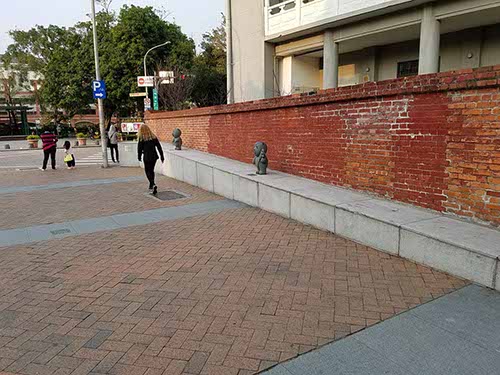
194 16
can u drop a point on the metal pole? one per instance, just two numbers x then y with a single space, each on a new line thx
100 102
146 55
229 47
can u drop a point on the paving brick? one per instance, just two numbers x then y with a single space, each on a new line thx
108 362
196 363
203 295
174 353
98 339
176 367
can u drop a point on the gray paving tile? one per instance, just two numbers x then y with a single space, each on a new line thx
47 232
426 349
472 313
94 225
134 218
63 185
278 370
347 357
13 237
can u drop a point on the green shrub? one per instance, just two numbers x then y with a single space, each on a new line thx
81 135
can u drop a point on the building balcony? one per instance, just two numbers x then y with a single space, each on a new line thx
283 16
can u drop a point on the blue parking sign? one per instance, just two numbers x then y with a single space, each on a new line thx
99 89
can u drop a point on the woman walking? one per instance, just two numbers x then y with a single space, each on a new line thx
147 152
113 143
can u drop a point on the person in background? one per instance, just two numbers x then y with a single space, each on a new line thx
148 149
49 141
69 156
113 143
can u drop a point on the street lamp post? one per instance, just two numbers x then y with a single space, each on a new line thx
100 102
145 56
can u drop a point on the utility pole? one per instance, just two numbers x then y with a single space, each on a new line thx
229 48
100 102
145 56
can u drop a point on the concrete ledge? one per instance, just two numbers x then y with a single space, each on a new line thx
460 248
311 212
205 177
367 231
447 257
274 200
246 191
223 184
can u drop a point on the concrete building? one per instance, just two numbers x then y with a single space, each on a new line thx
281 47
18 88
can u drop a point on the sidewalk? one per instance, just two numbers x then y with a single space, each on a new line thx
200 285
458 334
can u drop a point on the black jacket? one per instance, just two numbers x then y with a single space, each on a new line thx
148 149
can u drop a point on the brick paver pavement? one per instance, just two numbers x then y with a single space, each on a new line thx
233 292
61 205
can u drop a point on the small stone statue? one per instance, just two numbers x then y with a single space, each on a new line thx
177 139
260 160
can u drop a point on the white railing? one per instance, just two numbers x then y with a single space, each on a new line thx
283 15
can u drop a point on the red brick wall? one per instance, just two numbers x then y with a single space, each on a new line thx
432 141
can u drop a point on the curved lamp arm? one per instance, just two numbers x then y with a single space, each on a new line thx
149 50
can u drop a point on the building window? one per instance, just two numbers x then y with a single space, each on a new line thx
275 2
408 68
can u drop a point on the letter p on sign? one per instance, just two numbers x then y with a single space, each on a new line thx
99 89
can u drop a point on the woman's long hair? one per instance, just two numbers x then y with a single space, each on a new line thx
145 134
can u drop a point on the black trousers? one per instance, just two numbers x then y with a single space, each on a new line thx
149 168
114 151
52 153
71 163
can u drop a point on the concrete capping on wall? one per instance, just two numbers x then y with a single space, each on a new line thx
466 79
460 248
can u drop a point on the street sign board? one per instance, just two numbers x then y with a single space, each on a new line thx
99 89
131 127
166 77
147 104
137 94
146 81
155 100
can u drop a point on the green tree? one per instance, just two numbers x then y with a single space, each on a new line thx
136 30
65 57
210 84
33 49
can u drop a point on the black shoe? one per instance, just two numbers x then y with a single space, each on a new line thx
155 190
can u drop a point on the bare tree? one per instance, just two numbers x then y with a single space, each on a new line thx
175 92
163 13
105 4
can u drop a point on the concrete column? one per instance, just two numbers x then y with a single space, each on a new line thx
330 62
430 37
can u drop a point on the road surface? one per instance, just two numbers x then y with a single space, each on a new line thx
30 159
